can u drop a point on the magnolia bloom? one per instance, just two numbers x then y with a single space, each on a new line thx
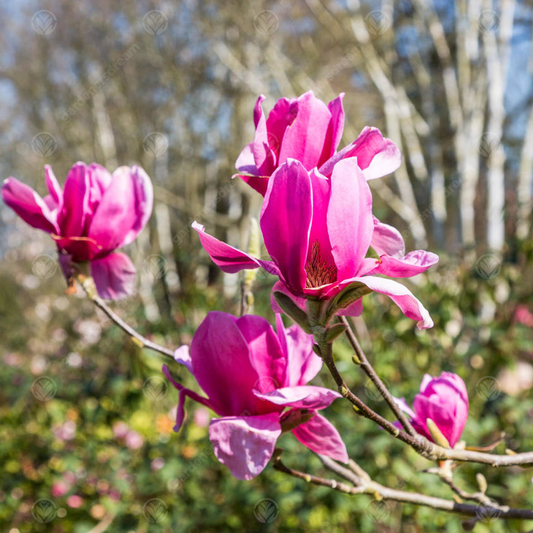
92 216
318 231
444 400
250 375
310 131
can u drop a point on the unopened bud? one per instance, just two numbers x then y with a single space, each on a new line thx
436 434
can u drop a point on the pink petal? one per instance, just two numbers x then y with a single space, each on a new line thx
320 436
387 240
264 157
349 214
114 276
404 406
279 120
304 139
355 309
412 264
80 248
245 162
376 155
53 186
279 286
183 394
257 183
183 357
228 258
302 397
124 210
73 215
28 205
286 221
319 228
221 365
65 262
303 364
402 297
258 109
245 444
335 128
266 355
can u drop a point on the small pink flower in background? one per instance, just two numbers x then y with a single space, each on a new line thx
133 440
157 464
120 429
66 431
251 375
11 359
307 129
523 315
201 417
60 488
75 501
95 214
443 400
318 232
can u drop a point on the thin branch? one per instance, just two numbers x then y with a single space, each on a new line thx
419 443
141 341
480 497
367 486
376 380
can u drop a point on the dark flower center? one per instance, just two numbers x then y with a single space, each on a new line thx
319 270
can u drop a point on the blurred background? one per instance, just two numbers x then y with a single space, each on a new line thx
86 440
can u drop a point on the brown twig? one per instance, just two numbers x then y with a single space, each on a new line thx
420 444
368 369
365 485
141 341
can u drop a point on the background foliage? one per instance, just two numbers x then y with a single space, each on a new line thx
85 419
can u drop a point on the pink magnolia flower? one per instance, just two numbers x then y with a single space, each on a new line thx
443 400
310 131
250 375
93 215
318 232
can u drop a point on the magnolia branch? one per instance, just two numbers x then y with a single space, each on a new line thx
88 285
419 443
376 380
361 483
